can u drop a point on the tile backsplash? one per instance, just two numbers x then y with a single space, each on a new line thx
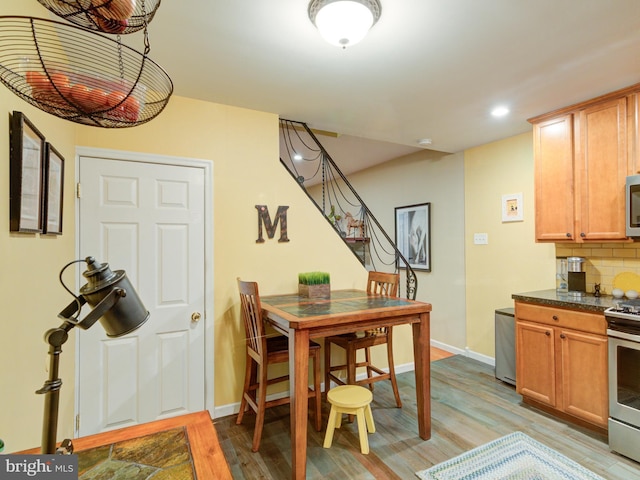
605 261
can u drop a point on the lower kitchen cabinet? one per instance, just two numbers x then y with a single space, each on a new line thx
561 361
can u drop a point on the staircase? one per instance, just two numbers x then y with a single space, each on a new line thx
317 174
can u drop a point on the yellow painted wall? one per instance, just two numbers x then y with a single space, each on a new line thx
511 262
31 296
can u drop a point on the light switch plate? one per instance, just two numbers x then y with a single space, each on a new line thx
480 238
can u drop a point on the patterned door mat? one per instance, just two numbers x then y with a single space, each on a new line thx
515 457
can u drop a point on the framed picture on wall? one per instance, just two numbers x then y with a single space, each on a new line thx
26 175
512 207
413 235
53 190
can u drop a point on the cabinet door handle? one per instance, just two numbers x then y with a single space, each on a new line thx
562 335
555 317
583 235
547 333
568 235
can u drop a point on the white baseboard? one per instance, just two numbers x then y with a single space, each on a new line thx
234 408
480 357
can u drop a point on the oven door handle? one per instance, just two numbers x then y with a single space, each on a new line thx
623 335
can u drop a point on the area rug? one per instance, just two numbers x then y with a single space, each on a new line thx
513 457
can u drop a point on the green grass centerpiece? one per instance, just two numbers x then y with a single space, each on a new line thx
314 285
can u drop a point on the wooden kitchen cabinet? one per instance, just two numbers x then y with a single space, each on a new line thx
561 362
603 167
581 163
554 179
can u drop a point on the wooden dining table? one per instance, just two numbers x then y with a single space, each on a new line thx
346 311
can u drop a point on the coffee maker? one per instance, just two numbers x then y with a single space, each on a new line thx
576 276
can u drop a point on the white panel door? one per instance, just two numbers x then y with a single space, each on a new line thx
146 219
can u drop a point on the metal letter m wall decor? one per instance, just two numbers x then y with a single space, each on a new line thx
264 217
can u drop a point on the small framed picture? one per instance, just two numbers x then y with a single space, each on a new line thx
26 175
413 235
512 207
53 190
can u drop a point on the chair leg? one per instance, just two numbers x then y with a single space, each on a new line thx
261 399
331 425
351 366
327 366
245 390
316 388
392 372
351 370
367 360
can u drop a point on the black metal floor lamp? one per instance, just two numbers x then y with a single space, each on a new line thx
120 311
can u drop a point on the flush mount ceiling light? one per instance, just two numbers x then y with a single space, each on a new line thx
500 111
344 22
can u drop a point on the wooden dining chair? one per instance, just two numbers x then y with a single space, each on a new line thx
263 351
378 283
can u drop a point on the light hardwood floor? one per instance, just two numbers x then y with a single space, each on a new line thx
469 408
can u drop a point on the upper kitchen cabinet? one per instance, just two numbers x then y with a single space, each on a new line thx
633 126
602 169
554 178
583 155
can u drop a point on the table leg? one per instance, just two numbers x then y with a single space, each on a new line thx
421 353
299 381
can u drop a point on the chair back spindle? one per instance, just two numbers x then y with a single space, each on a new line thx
380 283
252 317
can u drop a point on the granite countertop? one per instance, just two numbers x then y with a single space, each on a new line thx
551 298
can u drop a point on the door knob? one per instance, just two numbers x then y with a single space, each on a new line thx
195 317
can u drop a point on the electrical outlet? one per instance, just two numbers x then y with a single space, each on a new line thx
480 239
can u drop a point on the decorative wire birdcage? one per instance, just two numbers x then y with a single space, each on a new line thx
80 75
108 16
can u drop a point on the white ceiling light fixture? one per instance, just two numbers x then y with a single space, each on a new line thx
344 22
500 111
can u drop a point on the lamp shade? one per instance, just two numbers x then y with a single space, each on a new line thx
128 313
344 22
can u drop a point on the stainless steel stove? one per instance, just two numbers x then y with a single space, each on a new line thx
623 331
625 308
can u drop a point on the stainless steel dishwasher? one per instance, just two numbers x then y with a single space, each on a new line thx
505 331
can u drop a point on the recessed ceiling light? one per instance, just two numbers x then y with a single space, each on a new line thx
424 142
500 111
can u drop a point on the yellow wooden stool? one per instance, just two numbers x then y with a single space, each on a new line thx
350 400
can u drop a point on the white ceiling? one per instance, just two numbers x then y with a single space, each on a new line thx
428 68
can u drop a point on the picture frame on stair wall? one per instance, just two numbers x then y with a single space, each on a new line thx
413 235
